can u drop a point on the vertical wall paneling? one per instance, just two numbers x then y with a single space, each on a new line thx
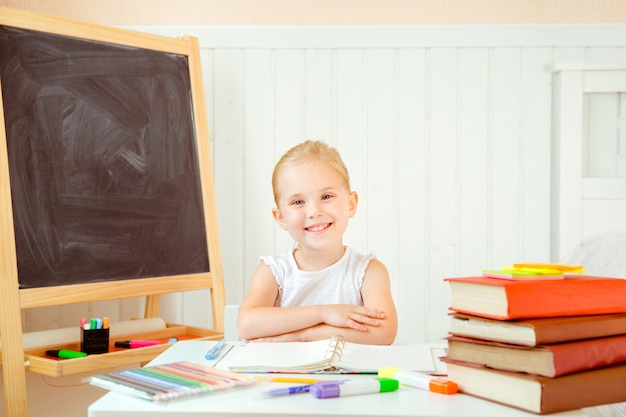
380 140
411 278
447 132
260 131
225 81
350 133
567 163
290 103
443 182
621 126
475 159
535 125
507 159
319 95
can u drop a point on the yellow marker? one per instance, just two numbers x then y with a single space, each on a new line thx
293 380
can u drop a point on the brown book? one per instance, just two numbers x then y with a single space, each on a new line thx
539 394
541 331
503 299
546 360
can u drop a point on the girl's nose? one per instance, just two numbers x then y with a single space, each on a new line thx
313 210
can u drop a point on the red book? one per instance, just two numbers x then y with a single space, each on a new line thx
502 299
548 360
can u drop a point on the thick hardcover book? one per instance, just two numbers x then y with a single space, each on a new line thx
539 394
541 331
548 360
334 356
576 295
170 381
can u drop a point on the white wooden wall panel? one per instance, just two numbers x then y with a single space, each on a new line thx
380 190
227 109
411 274
442 181
290 105
474 136
260 128
536 117
351 122
446 131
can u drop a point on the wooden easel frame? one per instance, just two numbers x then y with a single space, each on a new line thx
12 299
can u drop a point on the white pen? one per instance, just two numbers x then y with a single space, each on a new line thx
215 350
420 380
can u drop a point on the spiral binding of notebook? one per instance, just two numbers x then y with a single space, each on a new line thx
334 352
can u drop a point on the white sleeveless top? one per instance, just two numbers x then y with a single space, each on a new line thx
339 283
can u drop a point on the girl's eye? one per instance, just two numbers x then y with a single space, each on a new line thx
327 196
297 202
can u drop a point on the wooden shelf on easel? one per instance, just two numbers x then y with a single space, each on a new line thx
39 363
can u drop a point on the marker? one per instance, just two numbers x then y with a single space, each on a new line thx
420 380
280 392
137 343
293 380
215 350
65 354
83 322
333 389
105 322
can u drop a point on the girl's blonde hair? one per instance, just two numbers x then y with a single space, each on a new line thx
311 150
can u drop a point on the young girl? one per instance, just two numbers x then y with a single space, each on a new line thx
321 288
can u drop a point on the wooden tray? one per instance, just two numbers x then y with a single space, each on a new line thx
38 362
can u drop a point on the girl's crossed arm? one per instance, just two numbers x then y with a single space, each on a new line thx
373 323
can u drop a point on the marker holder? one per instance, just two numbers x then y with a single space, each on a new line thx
94 341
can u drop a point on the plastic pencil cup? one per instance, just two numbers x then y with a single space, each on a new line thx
94 341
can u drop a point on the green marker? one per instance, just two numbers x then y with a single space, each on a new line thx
65 354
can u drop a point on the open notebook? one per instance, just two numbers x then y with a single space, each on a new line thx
328 356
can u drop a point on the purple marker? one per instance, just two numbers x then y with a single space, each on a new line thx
279 392
333 389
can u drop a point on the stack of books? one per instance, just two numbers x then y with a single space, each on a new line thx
537 343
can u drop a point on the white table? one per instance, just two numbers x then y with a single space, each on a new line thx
249 402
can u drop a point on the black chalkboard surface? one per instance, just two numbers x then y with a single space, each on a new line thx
103 161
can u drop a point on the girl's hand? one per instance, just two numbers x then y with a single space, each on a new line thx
350 316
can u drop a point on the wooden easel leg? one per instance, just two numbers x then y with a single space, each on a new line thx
153 303
14 373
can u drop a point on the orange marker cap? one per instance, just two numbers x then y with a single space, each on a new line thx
443 386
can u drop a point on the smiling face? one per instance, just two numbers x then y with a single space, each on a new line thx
314 205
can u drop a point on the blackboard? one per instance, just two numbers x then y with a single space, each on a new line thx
103 162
